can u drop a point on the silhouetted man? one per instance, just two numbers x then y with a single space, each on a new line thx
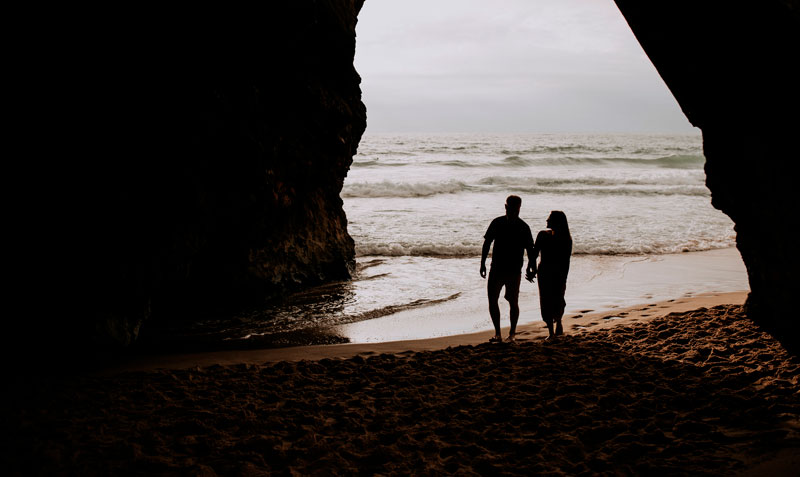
511 235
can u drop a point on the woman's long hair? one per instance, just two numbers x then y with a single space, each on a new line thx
558 222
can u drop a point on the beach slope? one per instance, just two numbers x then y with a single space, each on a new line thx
695 392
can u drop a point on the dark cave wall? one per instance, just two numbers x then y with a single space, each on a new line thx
217 159
732 66
193 162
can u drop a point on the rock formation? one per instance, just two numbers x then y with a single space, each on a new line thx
732 66
206 161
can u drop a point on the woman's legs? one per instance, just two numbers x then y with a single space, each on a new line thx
552 304
544 306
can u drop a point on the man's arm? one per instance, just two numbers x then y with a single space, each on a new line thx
485 253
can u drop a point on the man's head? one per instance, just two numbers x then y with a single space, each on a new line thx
513 204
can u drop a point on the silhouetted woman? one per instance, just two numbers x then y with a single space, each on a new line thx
555 245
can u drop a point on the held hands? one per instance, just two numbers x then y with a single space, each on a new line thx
483 270
530 273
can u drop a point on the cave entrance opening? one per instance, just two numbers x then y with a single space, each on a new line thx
552 101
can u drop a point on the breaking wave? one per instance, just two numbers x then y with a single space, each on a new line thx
402 189
366 249
668 162
530 185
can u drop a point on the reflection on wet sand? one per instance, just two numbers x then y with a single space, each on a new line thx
308 317
404 298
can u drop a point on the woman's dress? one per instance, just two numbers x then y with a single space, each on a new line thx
552 273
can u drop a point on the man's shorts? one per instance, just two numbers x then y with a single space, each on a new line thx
509 279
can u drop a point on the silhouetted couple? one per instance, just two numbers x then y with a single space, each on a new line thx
511 237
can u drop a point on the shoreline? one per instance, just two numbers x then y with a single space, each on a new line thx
387 303
573 324
600 283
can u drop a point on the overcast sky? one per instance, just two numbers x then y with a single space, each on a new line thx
508 66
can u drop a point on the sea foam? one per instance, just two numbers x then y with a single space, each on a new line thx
434 195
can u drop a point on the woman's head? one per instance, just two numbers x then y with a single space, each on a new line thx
558 222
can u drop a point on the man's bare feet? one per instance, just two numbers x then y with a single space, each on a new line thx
496 339
559 328
512 338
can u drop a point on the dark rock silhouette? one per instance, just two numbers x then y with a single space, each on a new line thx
733 69
206 159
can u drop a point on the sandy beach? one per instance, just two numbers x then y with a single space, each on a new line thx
681 387
257 244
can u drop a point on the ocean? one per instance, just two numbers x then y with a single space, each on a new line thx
434 195
418 205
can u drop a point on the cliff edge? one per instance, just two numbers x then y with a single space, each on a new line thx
732 66
200 167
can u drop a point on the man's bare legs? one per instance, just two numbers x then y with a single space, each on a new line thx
494 313
514 316
511 284
493 288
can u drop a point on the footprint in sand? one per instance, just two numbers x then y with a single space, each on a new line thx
577 316
586 311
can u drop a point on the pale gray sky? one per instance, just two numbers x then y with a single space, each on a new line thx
508 66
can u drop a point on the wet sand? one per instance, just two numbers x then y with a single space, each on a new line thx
696 392
600 283
448 298
574 322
